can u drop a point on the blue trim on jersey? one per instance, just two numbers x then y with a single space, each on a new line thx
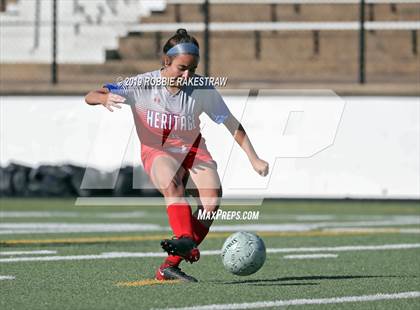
112 86
220 119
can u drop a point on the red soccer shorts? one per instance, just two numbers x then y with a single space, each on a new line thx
195 156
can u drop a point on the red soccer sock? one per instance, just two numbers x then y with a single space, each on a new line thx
200 231
173 260
180 219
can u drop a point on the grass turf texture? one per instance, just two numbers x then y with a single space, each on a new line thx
93 284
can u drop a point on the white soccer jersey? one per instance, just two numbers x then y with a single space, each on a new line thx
166 120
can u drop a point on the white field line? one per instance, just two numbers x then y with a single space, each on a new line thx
413 220
37 214
325 217
146 214
156 201
310 256
33 228
373 230
7 278
402 246
156 228
41 252
63 214
83 257
123 215
297 302
111 255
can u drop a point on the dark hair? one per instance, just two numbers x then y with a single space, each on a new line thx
181 36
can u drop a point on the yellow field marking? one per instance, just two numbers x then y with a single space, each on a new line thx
147 282
214 235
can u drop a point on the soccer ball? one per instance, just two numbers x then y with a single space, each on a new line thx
243 253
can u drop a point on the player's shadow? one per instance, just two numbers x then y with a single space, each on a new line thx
279 281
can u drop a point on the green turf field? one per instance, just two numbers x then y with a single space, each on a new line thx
96 257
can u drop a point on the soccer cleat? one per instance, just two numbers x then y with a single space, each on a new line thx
193 256
165 273
184 247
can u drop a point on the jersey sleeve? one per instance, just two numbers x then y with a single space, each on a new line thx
214 105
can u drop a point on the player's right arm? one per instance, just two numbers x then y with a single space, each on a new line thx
104 97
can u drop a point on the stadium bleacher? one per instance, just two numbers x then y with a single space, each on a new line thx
86 29
100 40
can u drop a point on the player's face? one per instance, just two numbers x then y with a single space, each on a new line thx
182 66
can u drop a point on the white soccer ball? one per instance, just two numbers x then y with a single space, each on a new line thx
243 253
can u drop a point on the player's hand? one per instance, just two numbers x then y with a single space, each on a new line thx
260 166
113 101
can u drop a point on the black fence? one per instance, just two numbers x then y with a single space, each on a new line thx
64 181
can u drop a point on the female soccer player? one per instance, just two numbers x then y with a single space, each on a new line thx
173 152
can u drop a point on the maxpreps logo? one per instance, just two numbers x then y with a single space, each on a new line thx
228 215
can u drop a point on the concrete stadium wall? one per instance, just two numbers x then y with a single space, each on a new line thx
330 147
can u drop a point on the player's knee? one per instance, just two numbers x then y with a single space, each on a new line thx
174 189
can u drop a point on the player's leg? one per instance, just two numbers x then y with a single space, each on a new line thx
204 182
166 174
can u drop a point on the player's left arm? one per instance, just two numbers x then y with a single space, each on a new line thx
239 134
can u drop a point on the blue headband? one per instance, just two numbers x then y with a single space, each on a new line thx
183 48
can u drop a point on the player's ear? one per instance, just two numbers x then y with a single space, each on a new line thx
166 60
